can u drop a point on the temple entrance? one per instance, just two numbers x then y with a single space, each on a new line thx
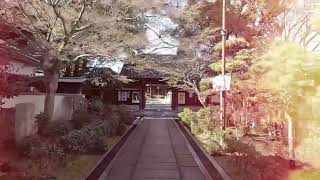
158 96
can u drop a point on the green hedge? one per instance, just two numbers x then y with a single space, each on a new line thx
204 124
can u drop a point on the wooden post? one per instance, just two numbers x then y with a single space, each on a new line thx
174 100
142 103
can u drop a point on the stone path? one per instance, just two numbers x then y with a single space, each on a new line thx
155 151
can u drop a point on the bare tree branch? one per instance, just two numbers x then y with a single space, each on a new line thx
311 38
159 48
82 56
159 36
83 28
58 14
17 50
51 30
301 20
299 30
316 47
27 16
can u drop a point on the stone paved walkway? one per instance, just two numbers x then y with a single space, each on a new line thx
155 151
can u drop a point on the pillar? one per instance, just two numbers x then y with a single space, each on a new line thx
174 101
142 104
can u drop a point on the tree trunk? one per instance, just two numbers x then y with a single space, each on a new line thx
51 82
290 137
76 71
203 103
101 94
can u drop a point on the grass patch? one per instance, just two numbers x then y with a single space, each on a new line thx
78 168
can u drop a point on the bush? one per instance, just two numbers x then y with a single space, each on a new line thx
124 114
111 123
199 122
78 103
187 116
88 139
205 125
209 118
38 148
42 121
216 141
197 127
81 119
96 106
58 128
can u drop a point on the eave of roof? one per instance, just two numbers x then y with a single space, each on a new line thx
132 72
73 79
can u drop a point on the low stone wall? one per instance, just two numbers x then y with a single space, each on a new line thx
25 124
28 106
63 107
6 124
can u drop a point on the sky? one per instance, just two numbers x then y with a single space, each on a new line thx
299 12
158 23
116 66
160 45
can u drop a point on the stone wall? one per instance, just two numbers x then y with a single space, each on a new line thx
25 124
63 109
7 117
28 106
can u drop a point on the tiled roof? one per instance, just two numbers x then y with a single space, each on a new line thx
134 72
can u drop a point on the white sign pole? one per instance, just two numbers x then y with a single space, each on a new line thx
221 83
223 65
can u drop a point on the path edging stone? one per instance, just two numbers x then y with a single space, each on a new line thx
212 167
107 158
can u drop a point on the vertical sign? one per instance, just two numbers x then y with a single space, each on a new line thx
181 98
221 83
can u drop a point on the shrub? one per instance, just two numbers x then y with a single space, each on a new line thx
209 118
216 141
42 121
187 116
58 128
80 119
111 123
199 122
205 125
38 148
78 103
238 132
197 126
96 106
124 114
55 150
88 139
